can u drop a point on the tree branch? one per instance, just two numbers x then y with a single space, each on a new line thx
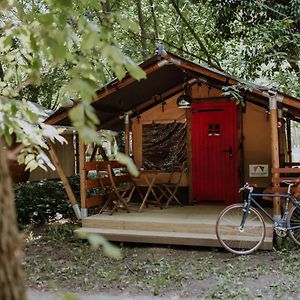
211 60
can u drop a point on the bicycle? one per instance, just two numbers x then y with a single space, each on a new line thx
241 229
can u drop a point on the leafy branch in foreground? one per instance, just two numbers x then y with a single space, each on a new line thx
48 34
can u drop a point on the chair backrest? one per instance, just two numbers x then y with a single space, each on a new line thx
177 169
118 174
97 177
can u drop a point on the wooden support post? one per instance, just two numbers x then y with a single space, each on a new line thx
289 139
127 133
189 152
82 173
281 138
274 151
65 181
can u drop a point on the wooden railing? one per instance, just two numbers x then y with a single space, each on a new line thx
285 174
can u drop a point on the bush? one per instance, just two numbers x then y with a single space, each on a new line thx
42 201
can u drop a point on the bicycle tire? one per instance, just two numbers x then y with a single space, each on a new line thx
293 219
232 238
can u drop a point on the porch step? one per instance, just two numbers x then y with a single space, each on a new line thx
142 222
162 237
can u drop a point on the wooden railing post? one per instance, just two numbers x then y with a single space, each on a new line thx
82 173
274 152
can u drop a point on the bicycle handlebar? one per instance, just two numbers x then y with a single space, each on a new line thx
246 186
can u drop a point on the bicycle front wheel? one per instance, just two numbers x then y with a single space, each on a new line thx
236 240
293 219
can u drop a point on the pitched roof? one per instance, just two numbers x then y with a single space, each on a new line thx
166 75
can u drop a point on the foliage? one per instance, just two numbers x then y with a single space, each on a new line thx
43 201
73 40
254 40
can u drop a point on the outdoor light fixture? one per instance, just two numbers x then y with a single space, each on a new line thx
184 101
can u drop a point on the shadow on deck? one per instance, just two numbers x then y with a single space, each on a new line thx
188 225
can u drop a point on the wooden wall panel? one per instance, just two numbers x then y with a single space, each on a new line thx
257 140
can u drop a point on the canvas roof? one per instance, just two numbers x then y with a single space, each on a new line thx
165 77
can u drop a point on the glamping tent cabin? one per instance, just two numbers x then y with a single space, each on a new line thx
223 143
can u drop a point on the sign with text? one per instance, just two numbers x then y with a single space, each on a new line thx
258 170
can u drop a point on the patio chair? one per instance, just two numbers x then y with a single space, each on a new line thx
169 189
122 187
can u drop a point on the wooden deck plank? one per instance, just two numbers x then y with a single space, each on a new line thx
156 237
188 225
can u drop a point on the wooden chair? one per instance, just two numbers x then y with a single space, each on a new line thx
96 178
122 187
169 189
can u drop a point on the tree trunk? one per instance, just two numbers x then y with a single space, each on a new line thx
12 281
155 27
142 27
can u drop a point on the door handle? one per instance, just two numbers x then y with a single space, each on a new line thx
230 151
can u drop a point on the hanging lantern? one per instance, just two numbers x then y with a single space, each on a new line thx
184 101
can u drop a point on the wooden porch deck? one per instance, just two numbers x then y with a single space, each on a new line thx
188 225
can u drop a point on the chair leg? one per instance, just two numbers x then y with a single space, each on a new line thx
106 204
172 196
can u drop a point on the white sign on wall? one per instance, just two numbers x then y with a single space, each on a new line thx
258 170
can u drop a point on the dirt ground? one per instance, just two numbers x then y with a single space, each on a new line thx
56 260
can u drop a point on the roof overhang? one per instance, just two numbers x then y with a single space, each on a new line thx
166 76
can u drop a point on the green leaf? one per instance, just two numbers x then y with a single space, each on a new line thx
126 160
7 136
89 40
135 71
76 114
46 19
96 241
90 113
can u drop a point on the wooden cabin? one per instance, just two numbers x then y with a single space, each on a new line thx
223 143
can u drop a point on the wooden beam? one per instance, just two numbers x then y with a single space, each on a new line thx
65 181
225 80
144 106
189 153
274 153
110 89
82 173
289 138
281 138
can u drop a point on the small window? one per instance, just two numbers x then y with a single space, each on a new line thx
214 130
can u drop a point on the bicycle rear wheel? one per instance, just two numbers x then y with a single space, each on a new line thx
235 240
293 219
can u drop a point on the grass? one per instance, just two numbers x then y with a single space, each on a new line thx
55 258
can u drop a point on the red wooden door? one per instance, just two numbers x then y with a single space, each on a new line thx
214 152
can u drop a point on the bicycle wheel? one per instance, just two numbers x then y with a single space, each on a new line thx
235 240
293 219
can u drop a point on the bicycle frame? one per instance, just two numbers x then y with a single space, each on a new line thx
250 199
